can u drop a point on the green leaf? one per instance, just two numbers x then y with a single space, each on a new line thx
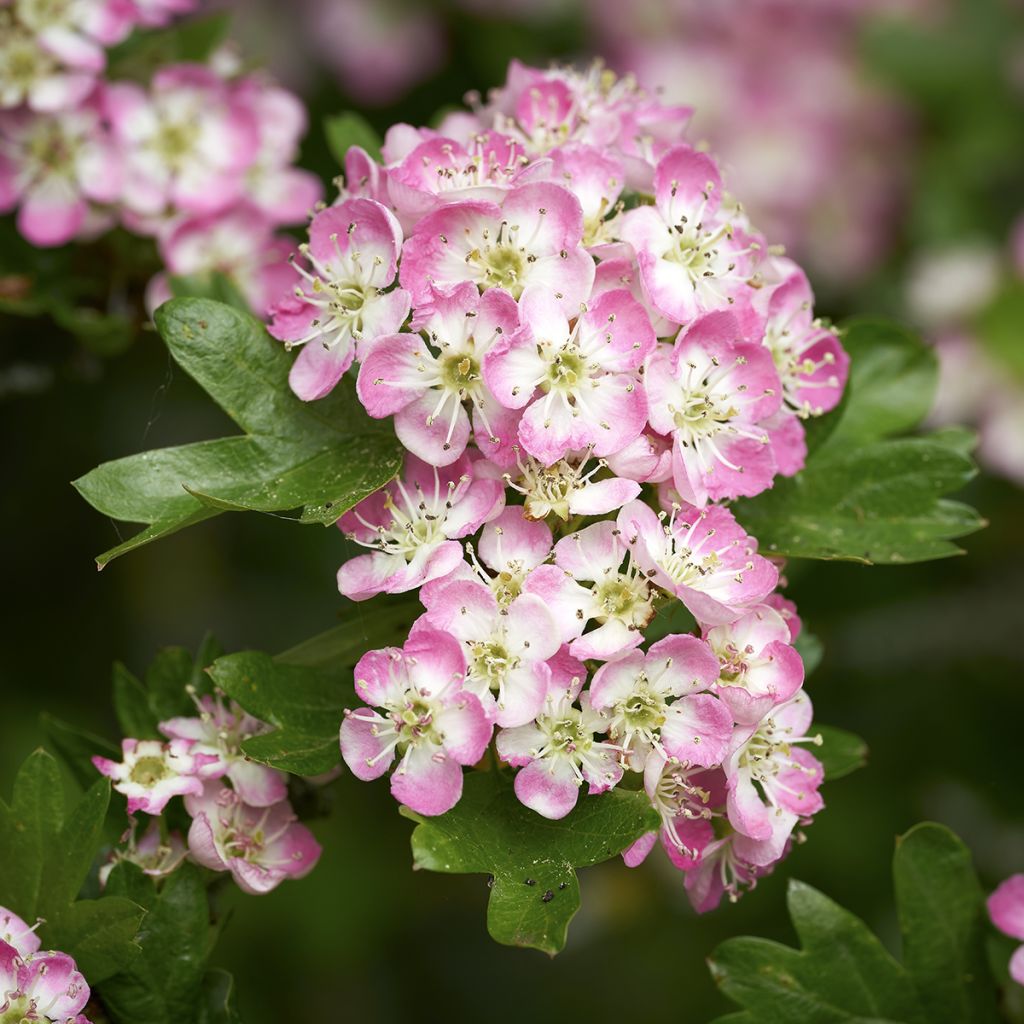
313 460
876 503
46 858
942 918
532 861
350 129
841 752
131 705
211 285
218 1005
166 983
810 649
303 704
77 747
841 974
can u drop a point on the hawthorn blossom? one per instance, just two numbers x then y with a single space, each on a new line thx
596 178
557 753
426 384
772 782
41 986
15 932
218 731
260 846
430 723
55 169
654 702
151 773
692 258
412 526
152 854
728 865
711 393
702 556
341 302
1006 909
533 237
506 647
578 384
758 669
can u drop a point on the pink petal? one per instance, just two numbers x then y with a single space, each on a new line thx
549 788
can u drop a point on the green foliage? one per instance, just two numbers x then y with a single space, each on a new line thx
865 495
350 129
212 285
168 982
843 973
319 458
193 40
841 752
532 861
46 852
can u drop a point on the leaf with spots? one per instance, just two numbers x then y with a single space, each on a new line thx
308 461
532 862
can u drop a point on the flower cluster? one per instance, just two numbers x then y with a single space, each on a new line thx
242 821
201 160
37 985
586 348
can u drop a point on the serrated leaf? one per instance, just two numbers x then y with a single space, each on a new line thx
46 856
879 503
942 918
532 861
350 129
842 973
165 984
841 752
304 705
310 460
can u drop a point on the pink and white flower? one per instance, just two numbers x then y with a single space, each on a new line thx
15 932
558 753
533 237
341 302
154 855
151 773
506 647
430 723
658 702
728 866
692 258
44 986
758 669
260 846
219 731
56 169
412 525
577 383
702 556
425 384
711 393
1006 909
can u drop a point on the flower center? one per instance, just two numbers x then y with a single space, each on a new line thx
460 373
491 663
626 597
16 1009
148 771
566 735
566 372
503 266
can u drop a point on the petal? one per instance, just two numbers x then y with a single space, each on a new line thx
427 781
518 745
697 730
603 496
1006 906
465 728
633 856
682 664
549 788
362 748
317 369
257 784
202 844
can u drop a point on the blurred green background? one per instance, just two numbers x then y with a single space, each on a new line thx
925 662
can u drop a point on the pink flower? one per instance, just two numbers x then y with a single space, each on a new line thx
567 488
155 856
758 667
151 772
620 599
341 302
238 243
186 143
596 178
425 384
646 459
692 258
260 846
809 358
219 731
53 167
157 13
1006 909
412 525
653 702
431 723
702 556
728 866
15 932
584 376
710 392
558 753
532 237
41 987
506 647
772 782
